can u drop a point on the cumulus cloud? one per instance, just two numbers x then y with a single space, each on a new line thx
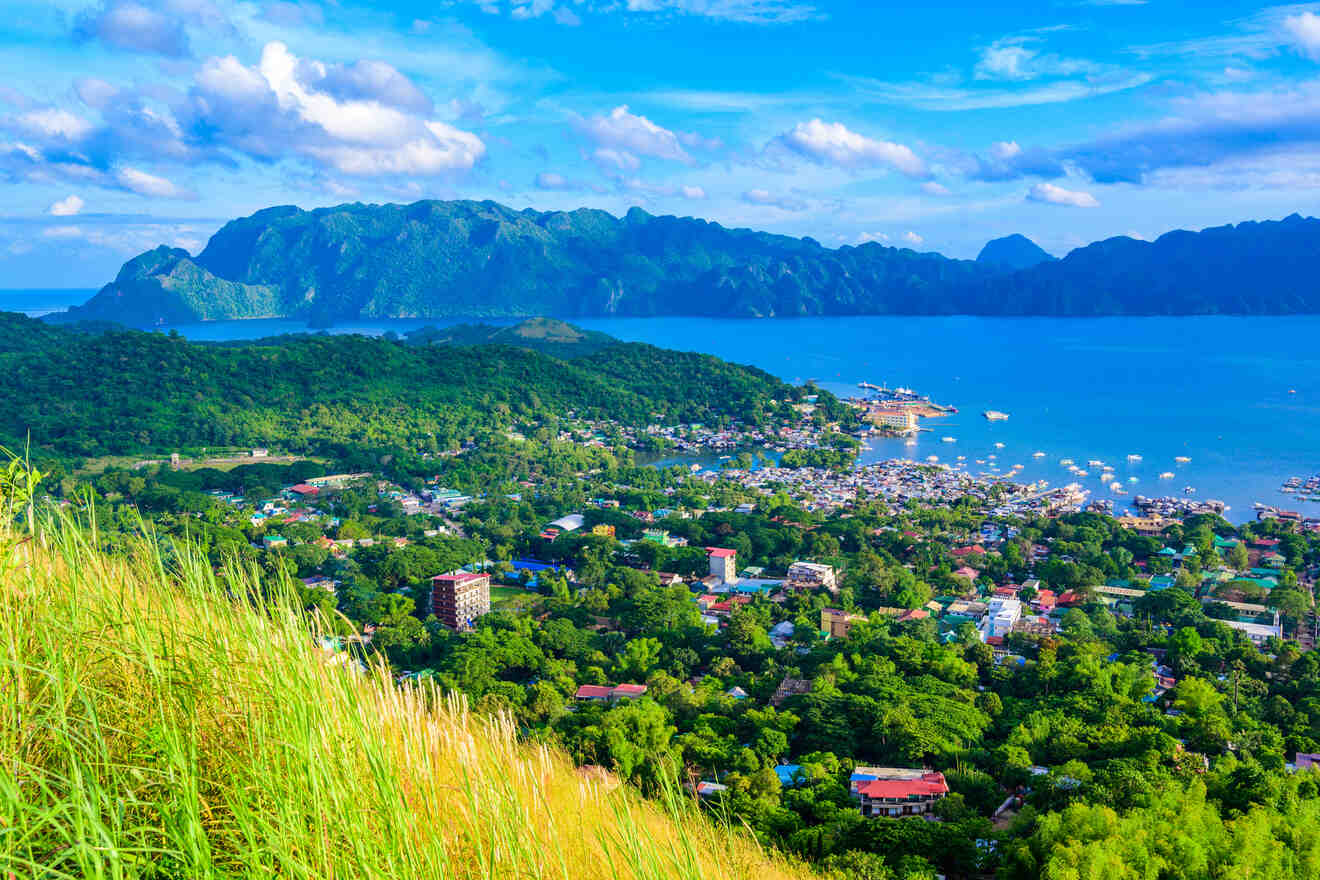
832 143
692 192
620 160
1304 31
1050 194
877 237
626 135
912 238
365 119
765 197
67 206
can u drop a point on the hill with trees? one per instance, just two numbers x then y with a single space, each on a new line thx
481 260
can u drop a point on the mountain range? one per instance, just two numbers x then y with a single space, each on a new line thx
445 259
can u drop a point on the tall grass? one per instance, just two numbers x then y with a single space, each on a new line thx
155 721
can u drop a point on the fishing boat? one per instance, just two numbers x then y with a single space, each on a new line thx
1134 457
932 458
1037 455
999 445
1065 461
1167 475
1116 487
949 439
1095 462
995 415
1181 459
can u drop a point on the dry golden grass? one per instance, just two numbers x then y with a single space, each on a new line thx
157 722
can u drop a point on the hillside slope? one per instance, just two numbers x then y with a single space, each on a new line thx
481 259
165 729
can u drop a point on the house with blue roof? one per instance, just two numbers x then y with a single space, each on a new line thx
790 775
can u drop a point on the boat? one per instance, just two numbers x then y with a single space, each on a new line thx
1132 479
911 441
949 439
1181 459
1065 461
1037 455
1095 462
932 458
995 415
1167 475
1116 487
1134 457
1080 472
1188 490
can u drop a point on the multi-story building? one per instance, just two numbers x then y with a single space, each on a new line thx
836 624
1001 613
896 791
812 576
723 564
457 600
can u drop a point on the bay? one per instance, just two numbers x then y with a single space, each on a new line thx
1239 396
37 302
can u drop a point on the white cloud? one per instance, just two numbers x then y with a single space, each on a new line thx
1005 149
765 197
621 160
912 238
146 184
62 232
95 92
67 207
1015 59
55 123
622 131
1304 32
1050 194
692 192
549 180
878 237
931 188
833 143
366 119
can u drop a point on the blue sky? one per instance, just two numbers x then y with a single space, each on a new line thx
937 125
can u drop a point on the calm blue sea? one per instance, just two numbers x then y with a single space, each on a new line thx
35 303
1239 396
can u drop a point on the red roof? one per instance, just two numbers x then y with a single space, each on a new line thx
629 690
914 614
593 692
304 489
926 785
975 549
463 577
720 552
1069 598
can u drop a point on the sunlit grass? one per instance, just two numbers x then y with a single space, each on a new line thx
156 722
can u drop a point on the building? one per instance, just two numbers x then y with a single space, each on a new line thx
603 530
596 693
459 599
897 791
897 419
1000 615
1259 633
723 564
1149 526
836 624
812 576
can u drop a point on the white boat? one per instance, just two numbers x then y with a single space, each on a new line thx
1167 475
1116 487
1134 457
1132 479
1081 473
1065 461
1181 459
1095 462
932 458
1037 455
995 415
999 445
949 439
911 441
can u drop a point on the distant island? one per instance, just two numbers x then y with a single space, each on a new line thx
464 259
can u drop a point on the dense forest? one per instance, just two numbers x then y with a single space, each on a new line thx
119 392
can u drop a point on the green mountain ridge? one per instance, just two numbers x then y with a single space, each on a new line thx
438 259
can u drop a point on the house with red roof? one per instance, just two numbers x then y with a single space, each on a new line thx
598 693
723 564
913 614
1045 600
963 552
894 792
967 572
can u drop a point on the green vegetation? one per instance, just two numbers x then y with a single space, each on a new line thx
482 259
121 392
163 719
